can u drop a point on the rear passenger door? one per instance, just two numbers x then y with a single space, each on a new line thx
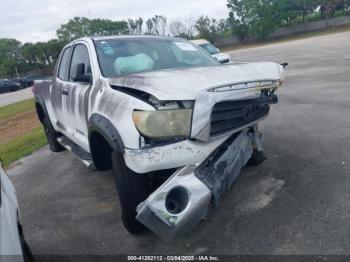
58 96
80 78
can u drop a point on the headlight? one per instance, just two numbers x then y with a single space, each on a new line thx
163 124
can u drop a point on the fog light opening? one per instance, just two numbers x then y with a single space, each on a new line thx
177 200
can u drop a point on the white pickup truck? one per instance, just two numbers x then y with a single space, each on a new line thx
153 107
13 246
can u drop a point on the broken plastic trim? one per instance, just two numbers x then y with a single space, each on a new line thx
153 101
185 198
190 206
144 96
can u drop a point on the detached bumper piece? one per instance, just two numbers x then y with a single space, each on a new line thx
185 198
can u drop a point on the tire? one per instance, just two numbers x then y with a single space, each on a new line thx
27 253
257 158
132 189
51 136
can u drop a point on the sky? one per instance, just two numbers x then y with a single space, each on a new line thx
38 20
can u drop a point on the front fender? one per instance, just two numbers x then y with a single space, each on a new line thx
100 124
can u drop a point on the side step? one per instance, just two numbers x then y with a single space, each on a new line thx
84 156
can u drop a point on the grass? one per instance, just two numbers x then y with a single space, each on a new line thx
24 144
19 107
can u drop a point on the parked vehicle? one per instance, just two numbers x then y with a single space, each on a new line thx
19 81
9 86
29 80
213 51
12 243
146 106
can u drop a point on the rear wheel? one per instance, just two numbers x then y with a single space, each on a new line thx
51 136
132 189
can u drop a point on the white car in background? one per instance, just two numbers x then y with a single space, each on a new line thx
13 247
213 51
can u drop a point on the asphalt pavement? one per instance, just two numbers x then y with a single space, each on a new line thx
296 202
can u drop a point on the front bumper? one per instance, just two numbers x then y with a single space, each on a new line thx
185 198
176 155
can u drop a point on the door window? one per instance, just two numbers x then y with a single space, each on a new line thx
80 64
64 65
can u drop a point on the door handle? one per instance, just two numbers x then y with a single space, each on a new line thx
65 92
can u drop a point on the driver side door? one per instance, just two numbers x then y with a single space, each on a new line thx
77 95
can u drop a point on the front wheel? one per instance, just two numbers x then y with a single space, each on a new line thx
132 189
257 158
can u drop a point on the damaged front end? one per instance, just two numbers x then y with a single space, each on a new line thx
185 198
221 139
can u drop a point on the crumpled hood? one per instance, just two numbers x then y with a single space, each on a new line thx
186 83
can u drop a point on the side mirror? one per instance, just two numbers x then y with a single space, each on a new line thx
284 65
217 49
81 76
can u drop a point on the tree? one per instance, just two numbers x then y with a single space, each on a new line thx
159 24
42 54
10 57
223 25
290 10
149 26
308 6
75 28
328 7
139 23
177 28
135 26
210 29
54 47
101 27
156 25
184 29
258 18
238 18
29 55
202 25
190 23
82 26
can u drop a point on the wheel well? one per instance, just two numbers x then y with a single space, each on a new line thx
101 152
40 112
